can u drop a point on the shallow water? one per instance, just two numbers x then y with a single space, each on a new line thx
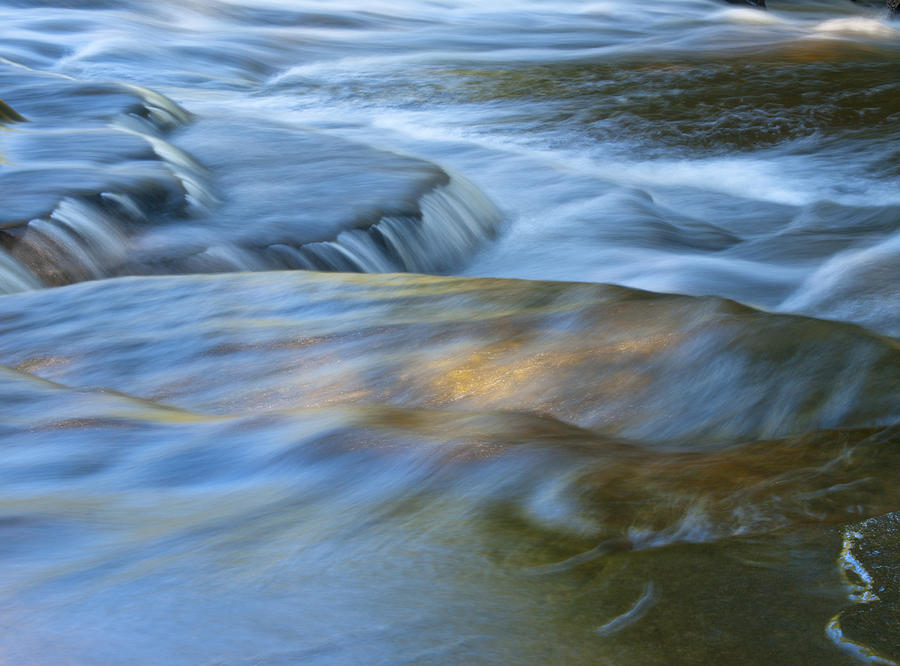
668 440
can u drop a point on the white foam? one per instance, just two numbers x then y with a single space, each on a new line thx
756 177
866 27
749 16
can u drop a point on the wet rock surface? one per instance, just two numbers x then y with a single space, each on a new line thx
870 561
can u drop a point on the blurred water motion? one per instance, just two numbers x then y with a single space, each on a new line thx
330 534
269 471
634 364
238 426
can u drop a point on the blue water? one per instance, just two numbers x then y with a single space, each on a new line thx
266 401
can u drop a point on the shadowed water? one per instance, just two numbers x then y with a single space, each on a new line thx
682 450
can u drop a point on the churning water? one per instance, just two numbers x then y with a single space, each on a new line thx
239 426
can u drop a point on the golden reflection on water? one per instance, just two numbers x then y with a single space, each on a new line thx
638 365
540 527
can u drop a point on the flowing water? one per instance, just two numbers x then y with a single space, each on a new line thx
264 400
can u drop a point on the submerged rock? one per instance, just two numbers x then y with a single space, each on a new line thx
515 527
329 446
322 523
628 362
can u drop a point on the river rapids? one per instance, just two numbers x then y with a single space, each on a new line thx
449 332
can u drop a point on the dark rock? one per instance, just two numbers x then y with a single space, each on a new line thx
871 563
753 3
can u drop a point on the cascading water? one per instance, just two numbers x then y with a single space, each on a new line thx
123 228
644 409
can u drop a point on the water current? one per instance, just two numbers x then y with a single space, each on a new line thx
449 332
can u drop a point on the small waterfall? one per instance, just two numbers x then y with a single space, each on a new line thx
13 276
456 218
153 205
92 237
79 241
109 187
159 109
